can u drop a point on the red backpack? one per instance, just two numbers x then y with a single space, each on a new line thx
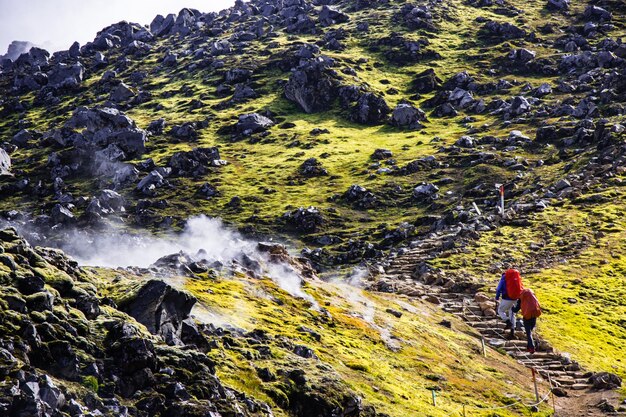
530 305
514 286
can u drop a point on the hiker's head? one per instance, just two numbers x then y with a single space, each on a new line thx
508 266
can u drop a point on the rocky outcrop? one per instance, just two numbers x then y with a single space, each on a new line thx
161 308
313 86
426 81
370 109
408 116
195 163
106 351
105 126
307 220
253 123
312 168
66 76
502 31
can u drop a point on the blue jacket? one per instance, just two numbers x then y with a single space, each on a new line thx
501 289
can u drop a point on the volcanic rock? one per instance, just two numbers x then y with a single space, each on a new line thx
408 116
313 85
160 308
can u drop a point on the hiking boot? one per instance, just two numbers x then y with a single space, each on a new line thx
507 325
530 350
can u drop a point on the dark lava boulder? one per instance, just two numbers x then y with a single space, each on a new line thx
133 355
360 197
106 126
185 131
370 109
593 12
417 17
380 154
426 81
305 220
558 5
122 93
253 123
22 138
95 119
161 308
329 16
66 76
194 163
408 116
521 55
312 168
237 75
605 381
426 192
503 31
313 86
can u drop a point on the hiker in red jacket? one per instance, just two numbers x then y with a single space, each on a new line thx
531 310
510 288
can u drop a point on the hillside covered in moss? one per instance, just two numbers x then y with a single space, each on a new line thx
362 134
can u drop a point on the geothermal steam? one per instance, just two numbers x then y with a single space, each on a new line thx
203 238
352 291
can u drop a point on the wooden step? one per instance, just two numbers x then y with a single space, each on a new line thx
527 356
519 343
576 375
503 334
548 365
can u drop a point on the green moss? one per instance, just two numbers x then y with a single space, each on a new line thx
91 382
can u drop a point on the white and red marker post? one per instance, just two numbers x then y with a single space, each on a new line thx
500 188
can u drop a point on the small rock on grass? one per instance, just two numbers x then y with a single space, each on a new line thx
393 312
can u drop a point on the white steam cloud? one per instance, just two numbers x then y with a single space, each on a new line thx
203 239
352 290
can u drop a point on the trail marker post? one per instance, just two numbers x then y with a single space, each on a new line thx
500 188
476 208
434 398
482 342
552 393
535 382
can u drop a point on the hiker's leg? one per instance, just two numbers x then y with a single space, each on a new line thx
512 315
512 320
505 309
529 325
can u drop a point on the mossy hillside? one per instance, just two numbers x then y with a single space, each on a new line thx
256 166
348 145
392 362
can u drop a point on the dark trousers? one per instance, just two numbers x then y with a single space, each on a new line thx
529 326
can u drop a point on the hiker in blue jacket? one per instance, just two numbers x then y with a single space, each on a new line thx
505 309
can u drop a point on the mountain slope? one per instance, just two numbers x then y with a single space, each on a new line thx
354 130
